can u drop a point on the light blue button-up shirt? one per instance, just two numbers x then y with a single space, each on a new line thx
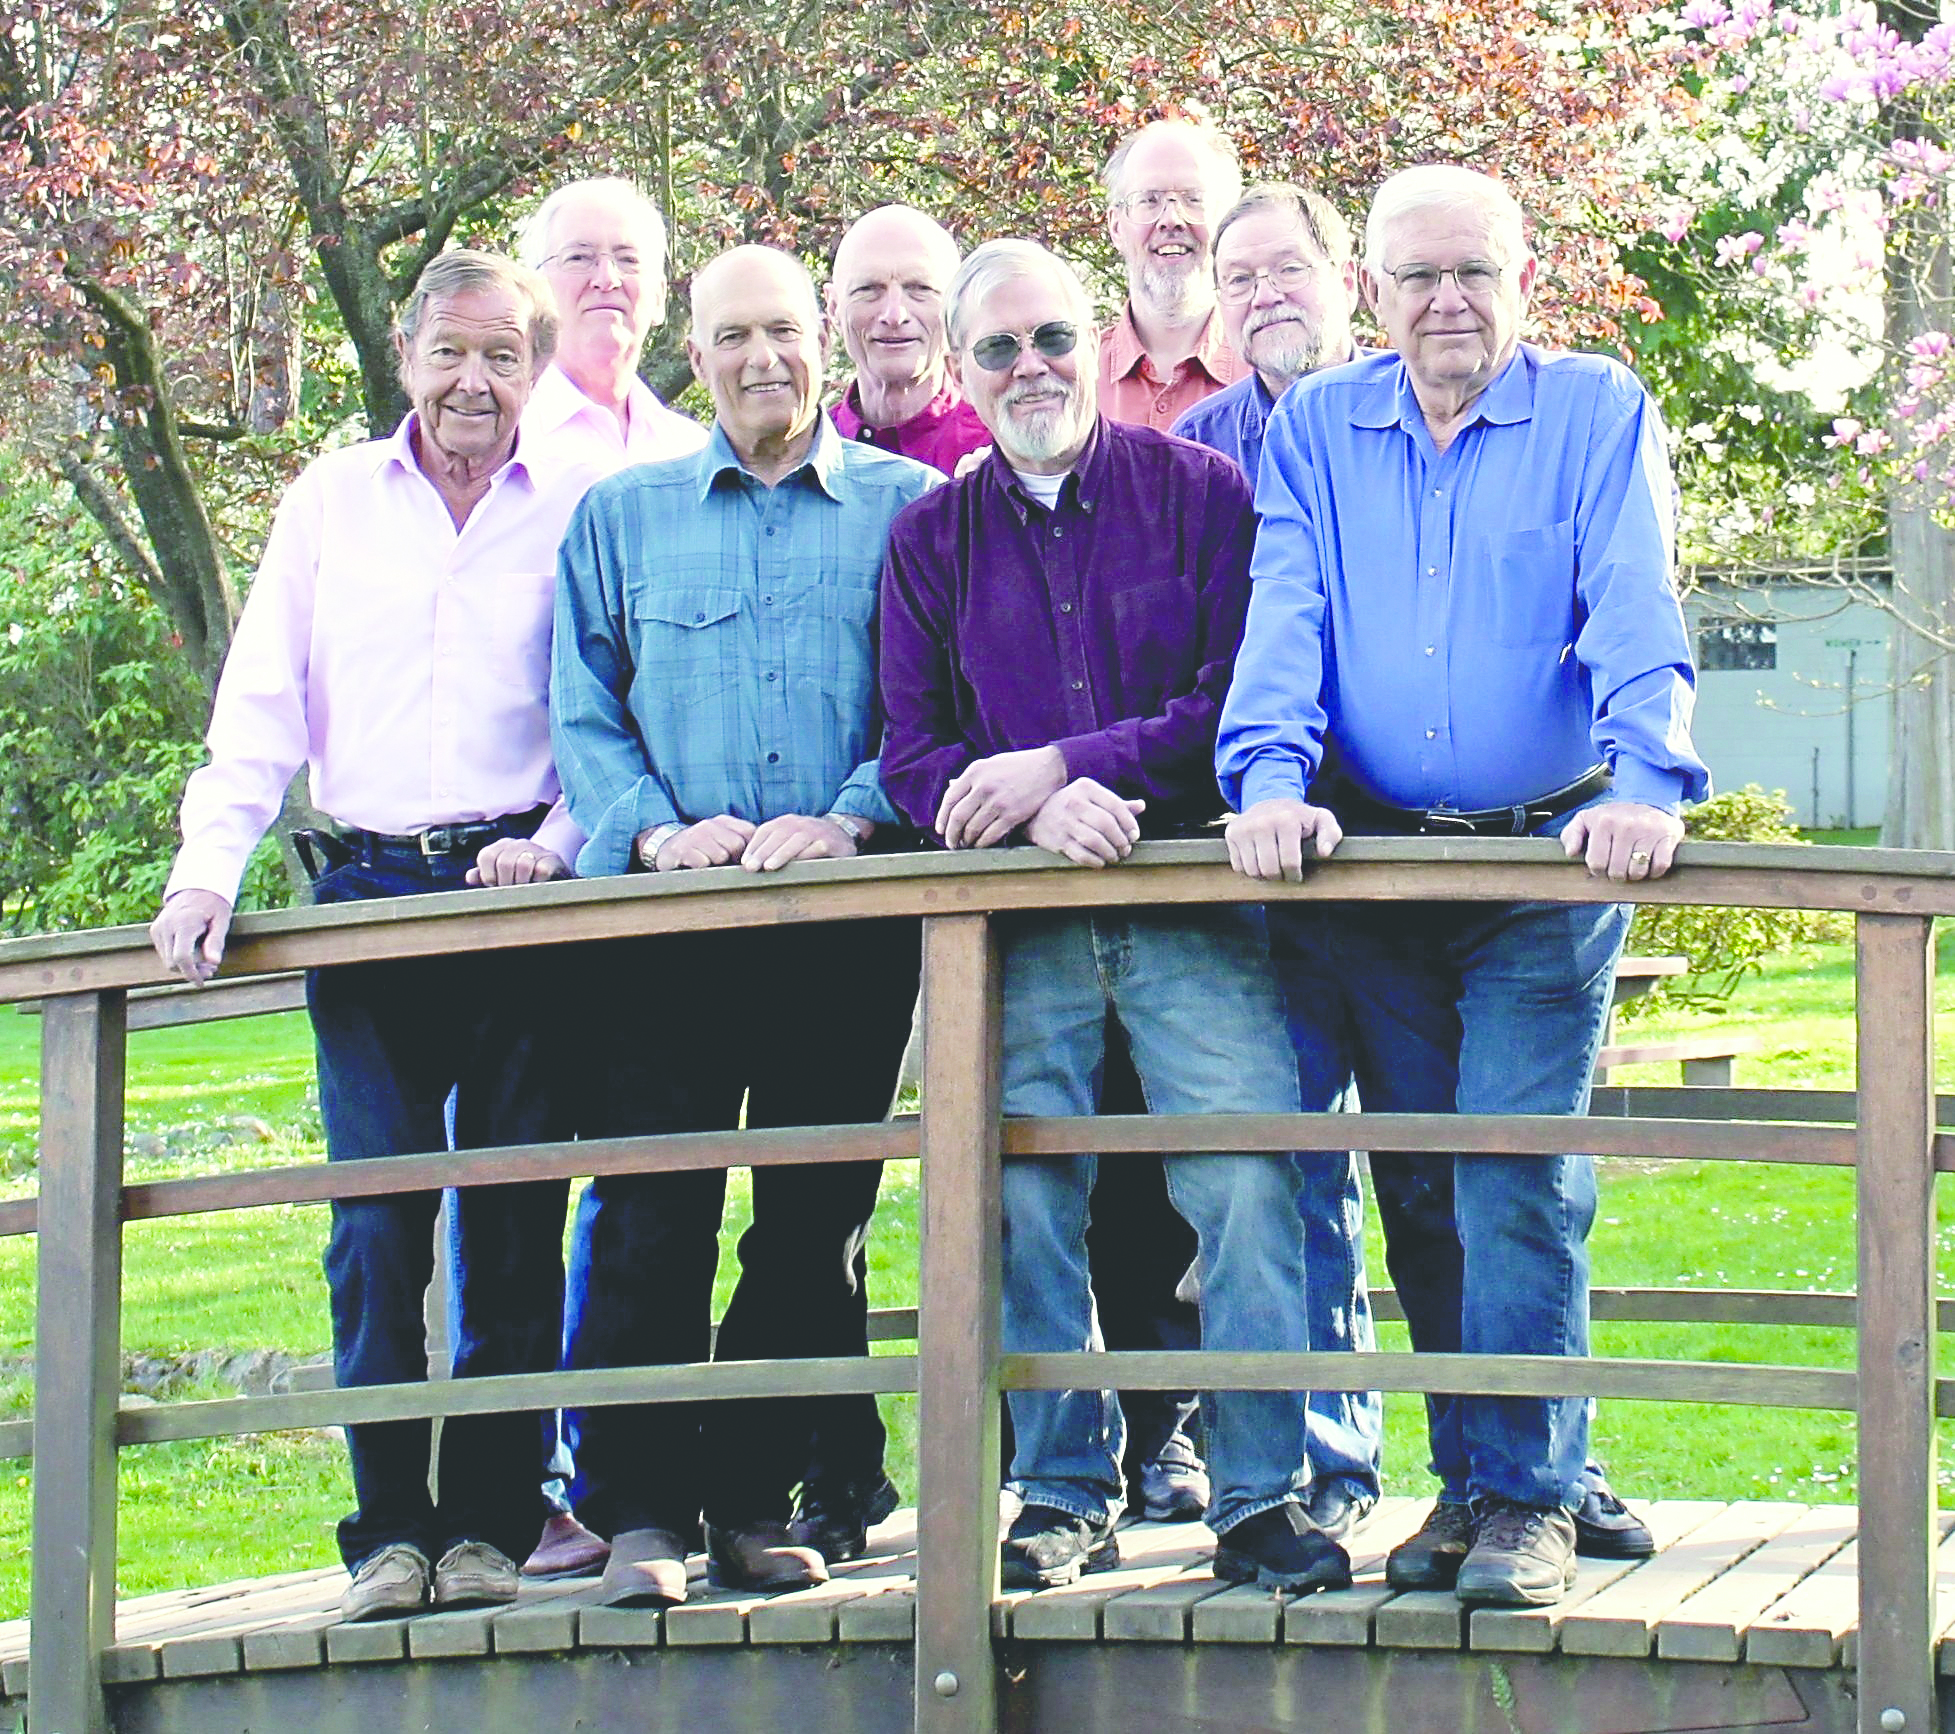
1475 627
715 644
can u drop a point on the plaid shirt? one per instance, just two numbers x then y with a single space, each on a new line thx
716 642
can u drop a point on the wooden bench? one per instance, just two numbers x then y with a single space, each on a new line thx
1705 1059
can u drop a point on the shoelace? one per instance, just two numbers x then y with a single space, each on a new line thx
1510 1528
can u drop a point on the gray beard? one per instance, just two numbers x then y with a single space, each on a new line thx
1173 294
1048 433
1287 349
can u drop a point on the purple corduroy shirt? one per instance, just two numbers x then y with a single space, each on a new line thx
1108 625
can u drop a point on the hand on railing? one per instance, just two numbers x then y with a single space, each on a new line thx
1623 840
189 933
1267 841
798 837
990 798
1088 824
517 861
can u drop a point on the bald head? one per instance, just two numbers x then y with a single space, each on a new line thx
752 265
756 345
886 296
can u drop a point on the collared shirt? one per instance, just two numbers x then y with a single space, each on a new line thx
715 643
1472 628
945 429
1231 421
407 661
564 427
1132 391
1106 625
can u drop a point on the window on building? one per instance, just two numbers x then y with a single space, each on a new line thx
1737 644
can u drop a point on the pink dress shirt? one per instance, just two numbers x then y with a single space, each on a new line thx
407 662
945 429
565 429
1130 389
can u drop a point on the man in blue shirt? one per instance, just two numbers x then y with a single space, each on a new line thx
1484 531
713 702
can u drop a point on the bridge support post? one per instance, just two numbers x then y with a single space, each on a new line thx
957 1335
1896 1187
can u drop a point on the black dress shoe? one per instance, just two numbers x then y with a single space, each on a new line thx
1280 1549
1605 1528
834 1518
760 1556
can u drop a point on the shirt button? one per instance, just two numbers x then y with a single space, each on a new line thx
1432 734
1432 571
771 675
1058 530
1079 686
770 529
1065 608
1437 494
773 758
768 600
1430 648
697 618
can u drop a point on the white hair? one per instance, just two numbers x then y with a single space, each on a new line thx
533 242
1000 262
1443 186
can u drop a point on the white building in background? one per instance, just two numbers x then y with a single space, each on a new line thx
1792 692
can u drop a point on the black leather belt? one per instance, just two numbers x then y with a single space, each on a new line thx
1360 811
440 841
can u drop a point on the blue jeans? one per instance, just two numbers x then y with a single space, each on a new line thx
1198 1000
394 1039
1474 1008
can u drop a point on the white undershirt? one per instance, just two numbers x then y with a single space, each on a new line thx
1044 489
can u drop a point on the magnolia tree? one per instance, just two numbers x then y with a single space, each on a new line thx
1821 191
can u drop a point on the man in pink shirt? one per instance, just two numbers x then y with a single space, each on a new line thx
397 640
1165 187
886 297
600 245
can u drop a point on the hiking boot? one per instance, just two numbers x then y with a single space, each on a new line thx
1523 1556
1174 1485
1279 1549
1046 1547
1431 1559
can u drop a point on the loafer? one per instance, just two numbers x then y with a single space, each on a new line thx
760 1556
1280 1549
1335 1506
646 1569
387 1584
1523 1556
473 1574
1430 1560
834 1519
1046 1547
566 1549
1605 1528
1174 1485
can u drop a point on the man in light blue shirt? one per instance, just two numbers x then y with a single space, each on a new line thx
1462 582
713 701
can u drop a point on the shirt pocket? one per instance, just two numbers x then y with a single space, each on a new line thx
687 643
831 639
1533 585
1159 636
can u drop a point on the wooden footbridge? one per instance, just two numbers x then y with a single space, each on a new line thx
1751 1616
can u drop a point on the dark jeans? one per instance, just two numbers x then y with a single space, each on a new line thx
394 1038
807 1024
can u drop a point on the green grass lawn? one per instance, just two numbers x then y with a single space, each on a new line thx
203 1512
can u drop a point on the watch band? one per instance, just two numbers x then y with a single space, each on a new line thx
850 823
654 840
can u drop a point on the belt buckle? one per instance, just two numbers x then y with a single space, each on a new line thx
438 840
1445 821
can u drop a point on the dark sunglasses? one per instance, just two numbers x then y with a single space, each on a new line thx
1056 337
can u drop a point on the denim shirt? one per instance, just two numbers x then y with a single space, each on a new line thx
715 642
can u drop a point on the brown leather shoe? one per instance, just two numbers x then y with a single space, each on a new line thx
566 1549
760 1556
647 1569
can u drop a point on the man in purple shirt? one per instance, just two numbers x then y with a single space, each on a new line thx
886 297
1058 630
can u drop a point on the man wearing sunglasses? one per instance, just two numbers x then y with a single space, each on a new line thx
1485 532
1165 187
1058 627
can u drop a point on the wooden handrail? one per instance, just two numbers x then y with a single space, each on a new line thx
1886 1131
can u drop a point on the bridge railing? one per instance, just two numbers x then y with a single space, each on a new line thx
1885 1130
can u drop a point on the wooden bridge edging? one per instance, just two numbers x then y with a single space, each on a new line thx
78 1215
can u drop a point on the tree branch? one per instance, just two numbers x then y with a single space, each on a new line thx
99 501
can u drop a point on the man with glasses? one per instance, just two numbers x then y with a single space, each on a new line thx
1484 530
1058 627
1165 187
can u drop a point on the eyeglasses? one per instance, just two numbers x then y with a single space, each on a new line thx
1150 205
1475 277
626 261
996 352
1234 286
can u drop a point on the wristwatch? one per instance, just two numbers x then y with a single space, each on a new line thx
653 841
858 832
